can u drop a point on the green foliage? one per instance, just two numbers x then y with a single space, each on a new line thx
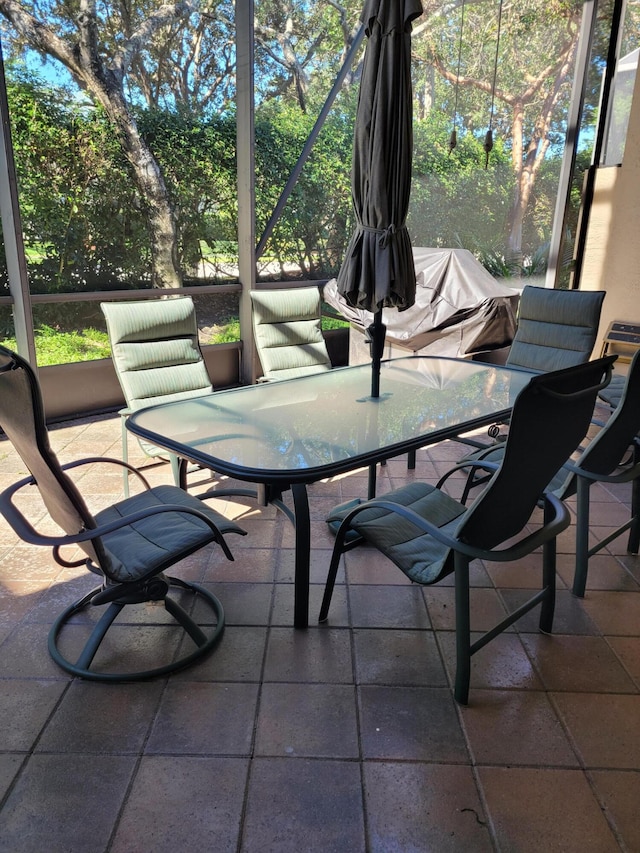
82 220
454 199
229 332
55 347
313 230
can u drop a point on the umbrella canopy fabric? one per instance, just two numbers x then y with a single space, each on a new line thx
378 268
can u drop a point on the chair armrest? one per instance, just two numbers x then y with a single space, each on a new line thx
622 477
470 463
91 460
554 525
29 534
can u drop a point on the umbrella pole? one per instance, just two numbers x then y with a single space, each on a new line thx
376 334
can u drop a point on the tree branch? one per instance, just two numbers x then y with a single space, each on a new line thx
164 15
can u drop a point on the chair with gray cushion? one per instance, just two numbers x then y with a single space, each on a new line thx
287 327
605 459
129 545
429 535
288 332
556 329
157 359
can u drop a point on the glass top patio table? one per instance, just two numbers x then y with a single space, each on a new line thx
298 431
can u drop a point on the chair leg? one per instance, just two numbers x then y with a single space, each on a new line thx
125 455
411 460
463 630
548 606
371 483
633 545
582 538
333 571
178 470
204 640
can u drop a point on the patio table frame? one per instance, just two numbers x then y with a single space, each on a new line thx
250 434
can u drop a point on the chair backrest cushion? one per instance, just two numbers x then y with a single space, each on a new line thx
155 350
288 332
22 419
550 418
556 328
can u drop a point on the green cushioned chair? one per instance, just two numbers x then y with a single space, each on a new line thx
429 535
157 358
288 332
556 328
605 460
129 545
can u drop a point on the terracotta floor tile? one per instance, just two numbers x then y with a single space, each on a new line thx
614 613
315 655
50 805
628 651
619 793
195 718
540 809
410 723
90 719
299 804
307 720
605 572
380 607
239 656
183 803
502 663
560 661
398 657
25 706
603 727
486 608
516 727
570 616
445 816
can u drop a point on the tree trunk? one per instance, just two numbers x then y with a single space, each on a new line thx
165 269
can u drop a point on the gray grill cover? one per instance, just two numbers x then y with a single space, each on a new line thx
460 310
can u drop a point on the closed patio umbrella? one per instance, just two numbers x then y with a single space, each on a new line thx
378 270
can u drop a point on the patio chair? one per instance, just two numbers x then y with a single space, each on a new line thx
429 535
612 394
605 460
157 359
129 545
556 329
288 332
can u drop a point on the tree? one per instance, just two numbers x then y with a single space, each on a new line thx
80 45
533 76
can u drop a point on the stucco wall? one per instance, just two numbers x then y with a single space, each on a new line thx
612 254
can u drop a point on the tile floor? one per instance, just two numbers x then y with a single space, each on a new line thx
344 737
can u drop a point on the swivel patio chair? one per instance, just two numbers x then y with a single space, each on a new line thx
129 545
288 332
429 535
157 359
